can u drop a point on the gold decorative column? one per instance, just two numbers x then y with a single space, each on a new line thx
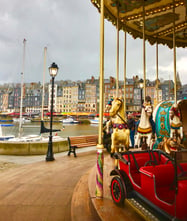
174 56
157 100
125 69
117 57
100 147
144 55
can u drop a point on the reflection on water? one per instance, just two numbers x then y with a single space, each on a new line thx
69 130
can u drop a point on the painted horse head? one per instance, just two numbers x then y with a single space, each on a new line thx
147 108
117 106
174 111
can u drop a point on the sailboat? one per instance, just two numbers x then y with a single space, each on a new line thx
21 138
43 129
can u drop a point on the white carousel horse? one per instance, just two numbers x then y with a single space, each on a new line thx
175 123
120 135
144 127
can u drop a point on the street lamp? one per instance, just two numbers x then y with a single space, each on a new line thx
141 90
53 69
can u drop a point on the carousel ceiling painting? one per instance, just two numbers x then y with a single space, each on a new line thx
158 18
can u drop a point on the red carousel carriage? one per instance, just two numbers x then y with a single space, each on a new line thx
154 179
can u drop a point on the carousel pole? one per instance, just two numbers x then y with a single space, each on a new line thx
157 73
100 147
125 69
117 57
174 56
144 55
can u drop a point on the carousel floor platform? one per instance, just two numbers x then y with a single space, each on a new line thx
101 209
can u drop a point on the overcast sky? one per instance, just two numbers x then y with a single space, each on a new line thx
70 31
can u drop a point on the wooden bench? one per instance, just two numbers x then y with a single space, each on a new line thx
81 141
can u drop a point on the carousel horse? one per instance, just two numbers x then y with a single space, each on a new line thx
171 124
169 145
144 130
120 134
175 123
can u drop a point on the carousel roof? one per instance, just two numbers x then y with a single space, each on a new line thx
159 19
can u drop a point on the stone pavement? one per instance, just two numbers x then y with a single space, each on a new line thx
101 209
61 190
38 158
40 190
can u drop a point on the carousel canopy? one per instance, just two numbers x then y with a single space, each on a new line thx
160 18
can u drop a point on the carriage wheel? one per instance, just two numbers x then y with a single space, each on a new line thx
117 191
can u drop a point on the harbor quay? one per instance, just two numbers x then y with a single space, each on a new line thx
31 148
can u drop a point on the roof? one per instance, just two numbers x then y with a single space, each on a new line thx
159 19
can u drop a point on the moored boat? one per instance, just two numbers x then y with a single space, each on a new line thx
69 120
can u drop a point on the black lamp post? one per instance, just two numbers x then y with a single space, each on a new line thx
141 90
53 69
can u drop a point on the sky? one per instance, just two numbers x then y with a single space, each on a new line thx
71 32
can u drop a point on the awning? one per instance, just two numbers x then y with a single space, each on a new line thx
77 113
159 19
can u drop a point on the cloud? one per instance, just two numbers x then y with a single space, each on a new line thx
71 31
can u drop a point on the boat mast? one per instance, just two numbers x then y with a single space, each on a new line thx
22 80
43 92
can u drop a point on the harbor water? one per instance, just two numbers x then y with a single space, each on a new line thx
67 129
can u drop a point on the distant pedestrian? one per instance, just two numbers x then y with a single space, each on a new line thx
131 126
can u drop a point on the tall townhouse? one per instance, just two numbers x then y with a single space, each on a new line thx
67 99
167 88
81 98
33 100
59 105
15 97
150 89
90 98
4 96
74 98
108 85
1 100
129 93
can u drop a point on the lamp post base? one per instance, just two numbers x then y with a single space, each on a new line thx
50 156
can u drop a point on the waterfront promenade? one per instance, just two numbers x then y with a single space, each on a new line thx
62 190
36 190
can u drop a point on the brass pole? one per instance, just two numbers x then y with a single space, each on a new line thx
156 73
100 147
144 54
117 57
125 69
174 56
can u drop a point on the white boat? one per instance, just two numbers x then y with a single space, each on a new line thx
29 138
69 120
95 120
24 120
5 137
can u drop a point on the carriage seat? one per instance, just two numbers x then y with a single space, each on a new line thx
137 160
141 159
163 178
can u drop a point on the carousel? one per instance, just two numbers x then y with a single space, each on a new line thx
141 174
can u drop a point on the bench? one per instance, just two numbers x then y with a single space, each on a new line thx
81 141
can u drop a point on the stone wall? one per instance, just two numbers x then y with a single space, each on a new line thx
31 148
